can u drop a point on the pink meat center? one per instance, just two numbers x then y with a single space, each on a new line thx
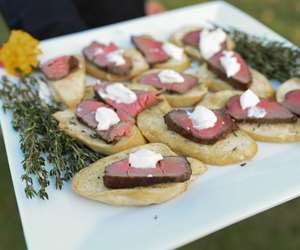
182 87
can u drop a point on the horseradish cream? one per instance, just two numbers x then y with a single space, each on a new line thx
170 76
211 41
116 57
248 99
106 117
144 158
173 51
203 118
118 93
230 63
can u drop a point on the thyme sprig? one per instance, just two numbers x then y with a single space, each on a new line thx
40 138
276 60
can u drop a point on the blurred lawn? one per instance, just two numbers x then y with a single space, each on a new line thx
276 229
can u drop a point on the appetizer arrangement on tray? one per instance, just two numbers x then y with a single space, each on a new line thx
157 114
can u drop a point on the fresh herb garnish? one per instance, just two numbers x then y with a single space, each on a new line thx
40 138
276 60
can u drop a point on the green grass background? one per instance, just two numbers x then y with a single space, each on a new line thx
276 229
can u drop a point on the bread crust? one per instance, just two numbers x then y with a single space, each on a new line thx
219 99
70 89
280 132
179 66
289 85
89 183
236 147
177 36
139 65
260 84
190 98
72 127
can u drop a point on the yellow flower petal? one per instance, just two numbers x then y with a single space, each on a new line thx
19 54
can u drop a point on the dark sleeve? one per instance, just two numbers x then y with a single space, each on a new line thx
42 19
97 13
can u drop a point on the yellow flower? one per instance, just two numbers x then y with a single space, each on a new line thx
19 54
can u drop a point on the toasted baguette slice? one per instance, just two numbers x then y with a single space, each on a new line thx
89 182
176 65
70 90
187 99
71 126
219 99
177 36
236 147
139 65
260 84
281 132
179 66
286 87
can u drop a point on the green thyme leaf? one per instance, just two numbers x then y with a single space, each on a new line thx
41 140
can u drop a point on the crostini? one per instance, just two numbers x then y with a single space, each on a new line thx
227 70
108 125
263 120
221 144
162 55
66 79
194 40
111 63
180 89
289 94
140 176
288 86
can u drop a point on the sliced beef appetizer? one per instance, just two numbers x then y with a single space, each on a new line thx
192 38
108 57
123 98
199 134
146 168
110 125
227 70
201 125
161 54
249 108
180 89
288 94
145 175
59 67
232 72
263 120
151 49
170 80
208 41
232 68
286 87
292 101
202 42
65 76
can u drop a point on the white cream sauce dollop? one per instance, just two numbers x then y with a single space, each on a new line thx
203 117
144 158
119 93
